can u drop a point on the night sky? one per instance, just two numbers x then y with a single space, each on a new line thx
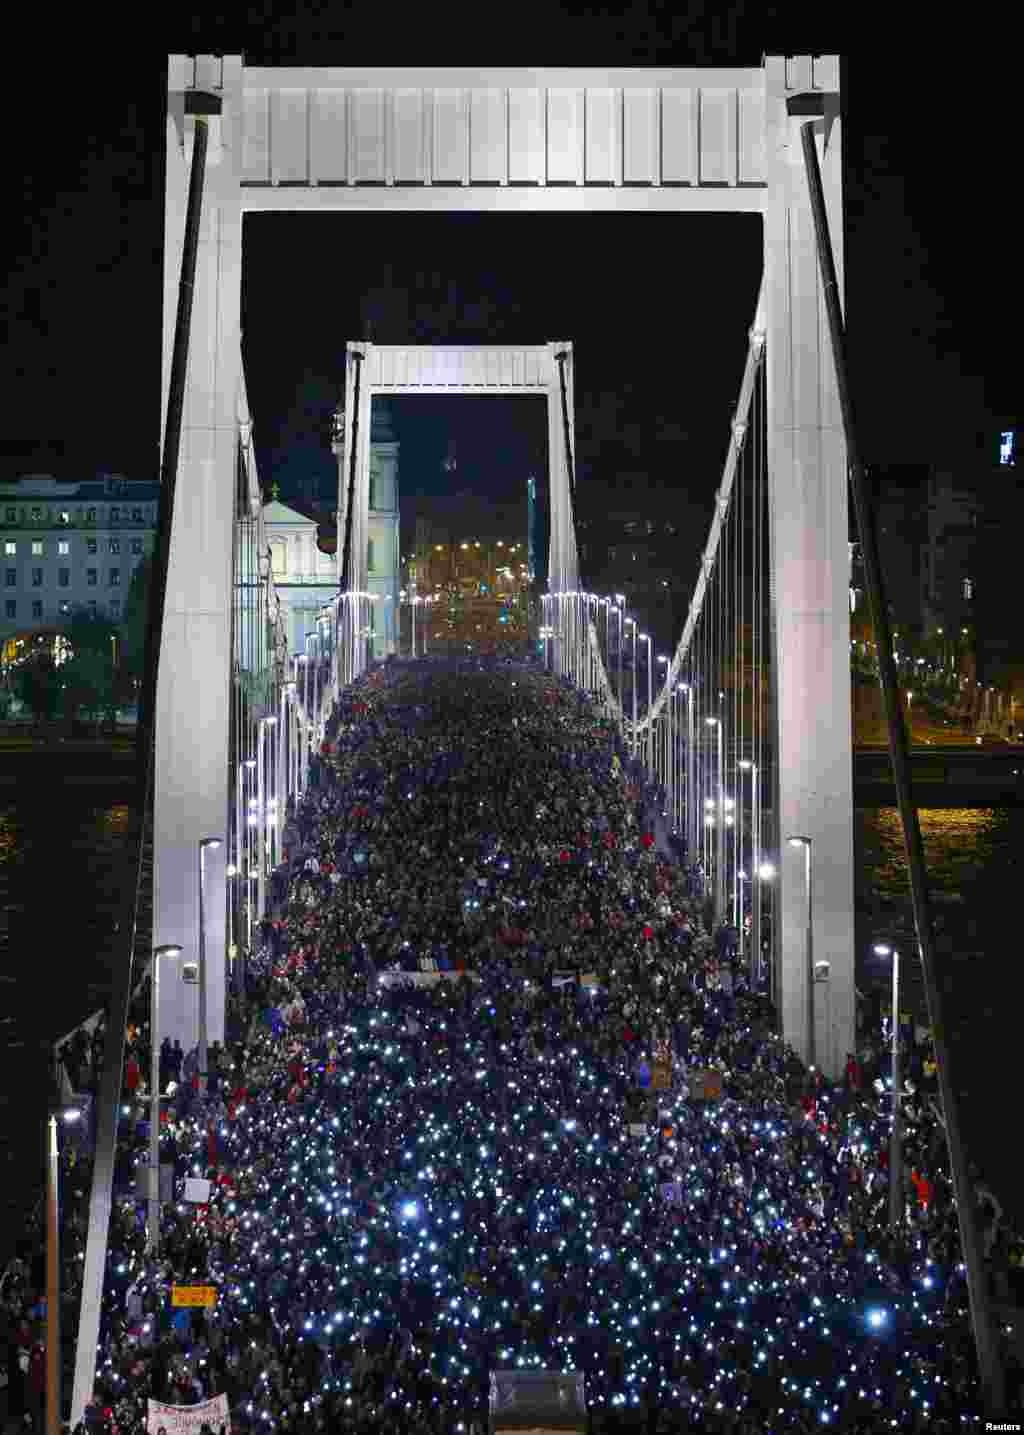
656 306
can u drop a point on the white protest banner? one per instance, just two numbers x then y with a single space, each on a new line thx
187 1419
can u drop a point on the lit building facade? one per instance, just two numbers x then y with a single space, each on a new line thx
383 560
70 545
469 567
305 579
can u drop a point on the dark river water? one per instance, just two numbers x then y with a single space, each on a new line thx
62 861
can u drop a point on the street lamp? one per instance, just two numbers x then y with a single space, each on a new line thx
691 775
67 1114
620 599
806 844
261 807
716 723
755 856
170 949
205 844
632 624
646 638
667 743
896 1135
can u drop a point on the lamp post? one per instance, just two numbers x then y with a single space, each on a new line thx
620 598
205 844
646 638
806 844
822 978
666 745
282 769
231 872
243 860
765 873
263 805
755 863
896 1135
170 949
690 808
67 1114
632 624
719 810
312 665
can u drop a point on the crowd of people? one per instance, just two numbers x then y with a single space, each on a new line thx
495 1094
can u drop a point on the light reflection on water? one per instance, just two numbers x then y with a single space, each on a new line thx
959 843
971 855
8 835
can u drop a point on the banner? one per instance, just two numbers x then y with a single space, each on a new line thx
187 1419
661 1065
422 979
194 1295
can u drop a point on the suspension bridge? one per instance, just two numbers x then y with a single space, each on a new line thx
744 726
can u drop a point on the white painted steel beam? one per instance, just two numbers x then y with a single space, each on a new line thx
193 703
810 559
516 199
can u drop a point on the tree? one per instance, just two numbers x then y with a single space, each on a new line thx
37 684
90 673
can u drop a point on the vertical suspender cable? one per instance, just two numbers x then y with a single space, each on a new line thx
986 1340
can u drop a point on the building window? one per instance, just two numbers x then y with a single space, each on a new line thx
37 577
93 607
279 557
12 515
37 514
11 608
37 548
90 545
115 607
11 578
369 555
115 515
10 548
968 589
37 608
136 515
65 517
90 515
63 547
136 545
63 577
115 577
64 608
115 545
90 577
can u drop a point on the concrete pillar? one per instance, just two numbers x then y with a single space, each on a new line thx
193 698
810 559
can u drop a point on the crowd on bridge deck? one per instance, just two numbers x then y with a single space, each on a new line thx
467 1117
